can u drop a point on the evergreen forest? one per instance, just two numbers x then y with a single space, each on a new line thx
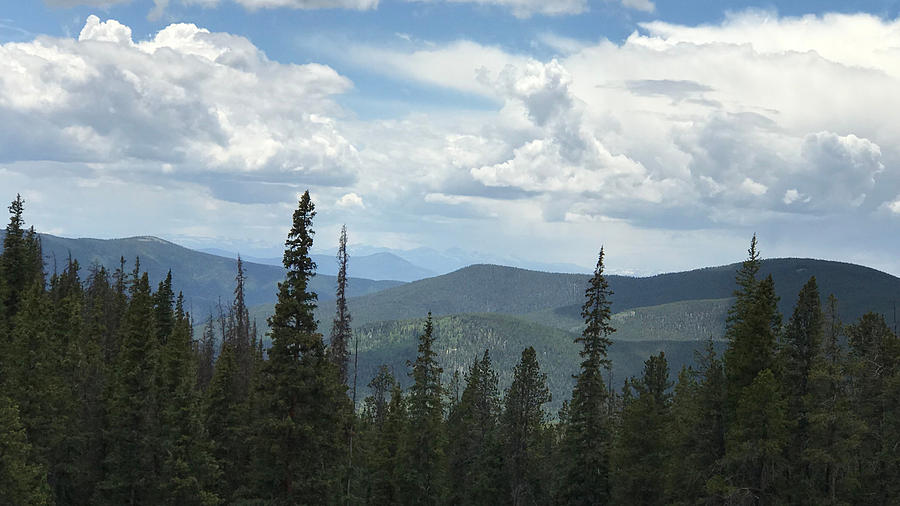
110 396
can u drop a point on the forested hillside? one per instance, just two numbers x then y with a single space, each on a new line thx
107 396
203 278
508 290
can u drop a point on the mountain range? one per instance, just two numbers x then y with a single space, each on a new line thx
500 308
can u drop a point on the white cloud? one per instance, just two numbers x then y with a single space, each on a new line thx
894 206
187 97
350 200
762 122
753 188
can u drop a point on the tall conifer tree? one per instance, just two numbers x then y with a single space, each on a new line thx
586 436
132 462
641 448
425 447
305 409
798 349
341 332
523 429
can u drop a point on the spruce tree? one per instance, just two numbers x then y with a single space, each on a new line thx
641 448
424 449
474 443
301 446
227 407
132 463
697 432
834 427
386 477
798 349
752 326
751 329
341 332
22 479
21 263
524 433
586 436
874 356
188 471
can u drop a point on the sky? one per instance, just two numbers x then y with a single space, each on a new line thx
666 132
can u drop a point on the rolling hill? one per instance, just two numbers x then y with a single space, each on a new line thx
508 290
380 265
203 278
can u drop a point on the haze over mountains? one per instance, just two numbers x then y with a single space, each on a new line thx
408 265
492 306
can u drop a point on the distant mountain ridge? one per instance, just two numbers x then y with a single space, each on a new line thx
204 278
510 290
380 266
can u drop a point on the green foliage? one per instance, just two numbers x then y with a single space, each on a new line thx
425 446
641 447
473 449
341 333
755 441
798 349
22 479
586 436
524 433
304 410
132 462
696 432
874 355
834 427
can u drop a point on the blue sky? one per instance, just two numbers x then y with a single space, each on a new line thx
668 131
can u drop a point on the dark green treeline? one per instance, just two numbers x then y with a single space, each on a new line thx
107 397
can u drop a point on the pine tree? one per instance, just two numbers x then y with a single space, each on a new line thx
424 448
586 436
227 408
755 443
474 443
798 349
341 332
206 354
874 356
162 307
697 432
386 476
305 412
188 471
834 428
524 433
22 479
132 462
751 329
21 263
641 448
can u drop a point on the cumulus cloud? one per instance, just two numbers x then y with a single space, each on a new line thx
195 100
759 120
350 200
691 121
